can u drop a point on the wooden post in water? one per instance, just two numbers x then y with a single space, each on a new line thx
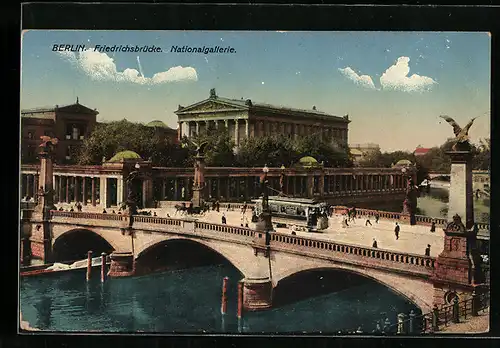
89 264
223 308
103 267
240 299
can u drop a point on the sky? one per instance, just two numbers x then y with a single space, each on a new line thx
393 85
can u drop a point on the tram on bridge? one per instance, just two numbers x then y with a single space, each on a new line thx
308 214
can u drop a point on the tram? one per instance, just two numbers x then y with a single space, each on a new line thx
287 212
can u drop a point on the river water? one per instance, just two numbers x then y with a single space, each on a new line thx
189 300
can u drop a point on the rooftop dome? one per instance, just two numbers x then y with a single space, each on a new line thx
403 162
125 155
157 123
307 160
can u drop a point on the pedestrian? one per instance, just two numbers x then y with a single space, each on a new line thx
246 222
428 250
113 212
228 206
104 211
154 214
223 219
374 245
71 210
433 226
376 218
217 206
396 231
368 222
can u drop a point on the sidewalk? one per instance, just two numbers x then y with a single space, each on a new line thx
471 325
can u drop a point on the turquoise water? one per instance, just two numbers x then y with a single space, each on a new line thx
189 301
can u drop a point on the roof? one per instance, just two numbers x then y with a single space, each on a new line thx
403 162
356 152
255 106
68 107
421 150
308 159
157 123
124 155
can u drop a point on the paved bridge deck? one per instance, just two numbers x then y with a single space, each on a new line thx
412 239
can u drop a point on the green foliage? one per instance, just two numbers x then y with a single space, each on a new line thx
278 150
107 139
219 151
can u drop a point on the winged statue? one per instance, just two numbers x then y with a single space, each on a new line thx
200 148
461 134
48 142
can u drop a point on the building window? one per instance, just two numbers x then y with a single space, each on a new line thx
68 152
75 131
30 135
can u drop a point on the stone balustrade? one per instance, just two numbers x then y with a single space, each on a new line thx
361 255
204 226
421 220
87 215
157 220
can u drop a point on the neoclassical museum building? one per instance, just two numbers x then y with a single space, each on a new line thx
245 118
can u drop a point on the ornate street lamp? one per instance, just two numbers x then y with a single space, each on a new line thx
266 212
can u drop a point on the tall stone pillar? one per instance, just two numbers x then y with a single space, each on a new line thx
179 131
176 189
458 268
93 192
84 190
120 192
199 181
41 236
236 132
247 128
103 192
218 188
321 184
216 124
197 128
76 189
147 192
310 185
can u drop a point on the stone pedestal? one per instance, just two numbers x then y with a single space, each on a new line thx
461 200
122 264
199 182
257 293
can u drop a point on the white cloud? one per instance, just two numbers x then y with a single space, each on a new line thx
363 80
99 66
396 78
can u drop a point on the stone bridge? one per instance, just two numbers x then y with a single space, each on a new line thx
262 267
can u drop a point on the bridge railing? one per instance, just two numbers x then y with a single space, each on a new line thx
86 215
440 317
420 219
373 256
157 220
240 231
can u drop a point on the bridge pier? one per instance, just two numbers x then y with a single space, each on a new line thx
257 293
122 264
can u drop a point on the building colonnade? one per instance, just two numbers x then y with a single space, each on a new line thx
244 128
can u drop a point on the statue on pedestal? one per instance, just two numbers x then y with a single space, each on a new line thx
132 198
461 134
410 202
199 175
45 192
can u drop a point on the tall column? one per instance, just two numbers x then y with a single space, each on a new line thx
197 127
84 190
120 197
179 131
67 188
236 132
334 177
321 184
238 182
209 184
103 191
93 193
163 188
247 130
60 189
310 186
226 124
218 188
176 189
216 123
28 186
75 189
372 182
228 184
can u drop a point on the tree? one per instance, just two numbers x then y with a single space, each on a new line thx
220 149
271 150
482 155
109 138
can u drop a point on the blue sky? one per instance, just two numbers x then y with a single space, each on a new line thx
393 85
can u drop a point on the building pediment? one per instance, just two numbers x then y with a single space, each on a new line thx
77 109
210 106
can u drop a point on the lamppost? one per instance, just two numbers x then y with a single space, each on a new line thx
266 212
282 180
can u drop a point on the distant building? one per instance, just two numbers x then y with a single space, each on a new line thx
420 151
360 151
70 124
163 130
245 118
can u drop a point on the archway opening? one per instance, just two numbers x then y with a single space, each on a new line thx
75 244
312 283
178 254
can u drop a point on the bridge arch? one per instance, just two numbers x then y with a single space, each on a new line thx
74 244
417 291
228 252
